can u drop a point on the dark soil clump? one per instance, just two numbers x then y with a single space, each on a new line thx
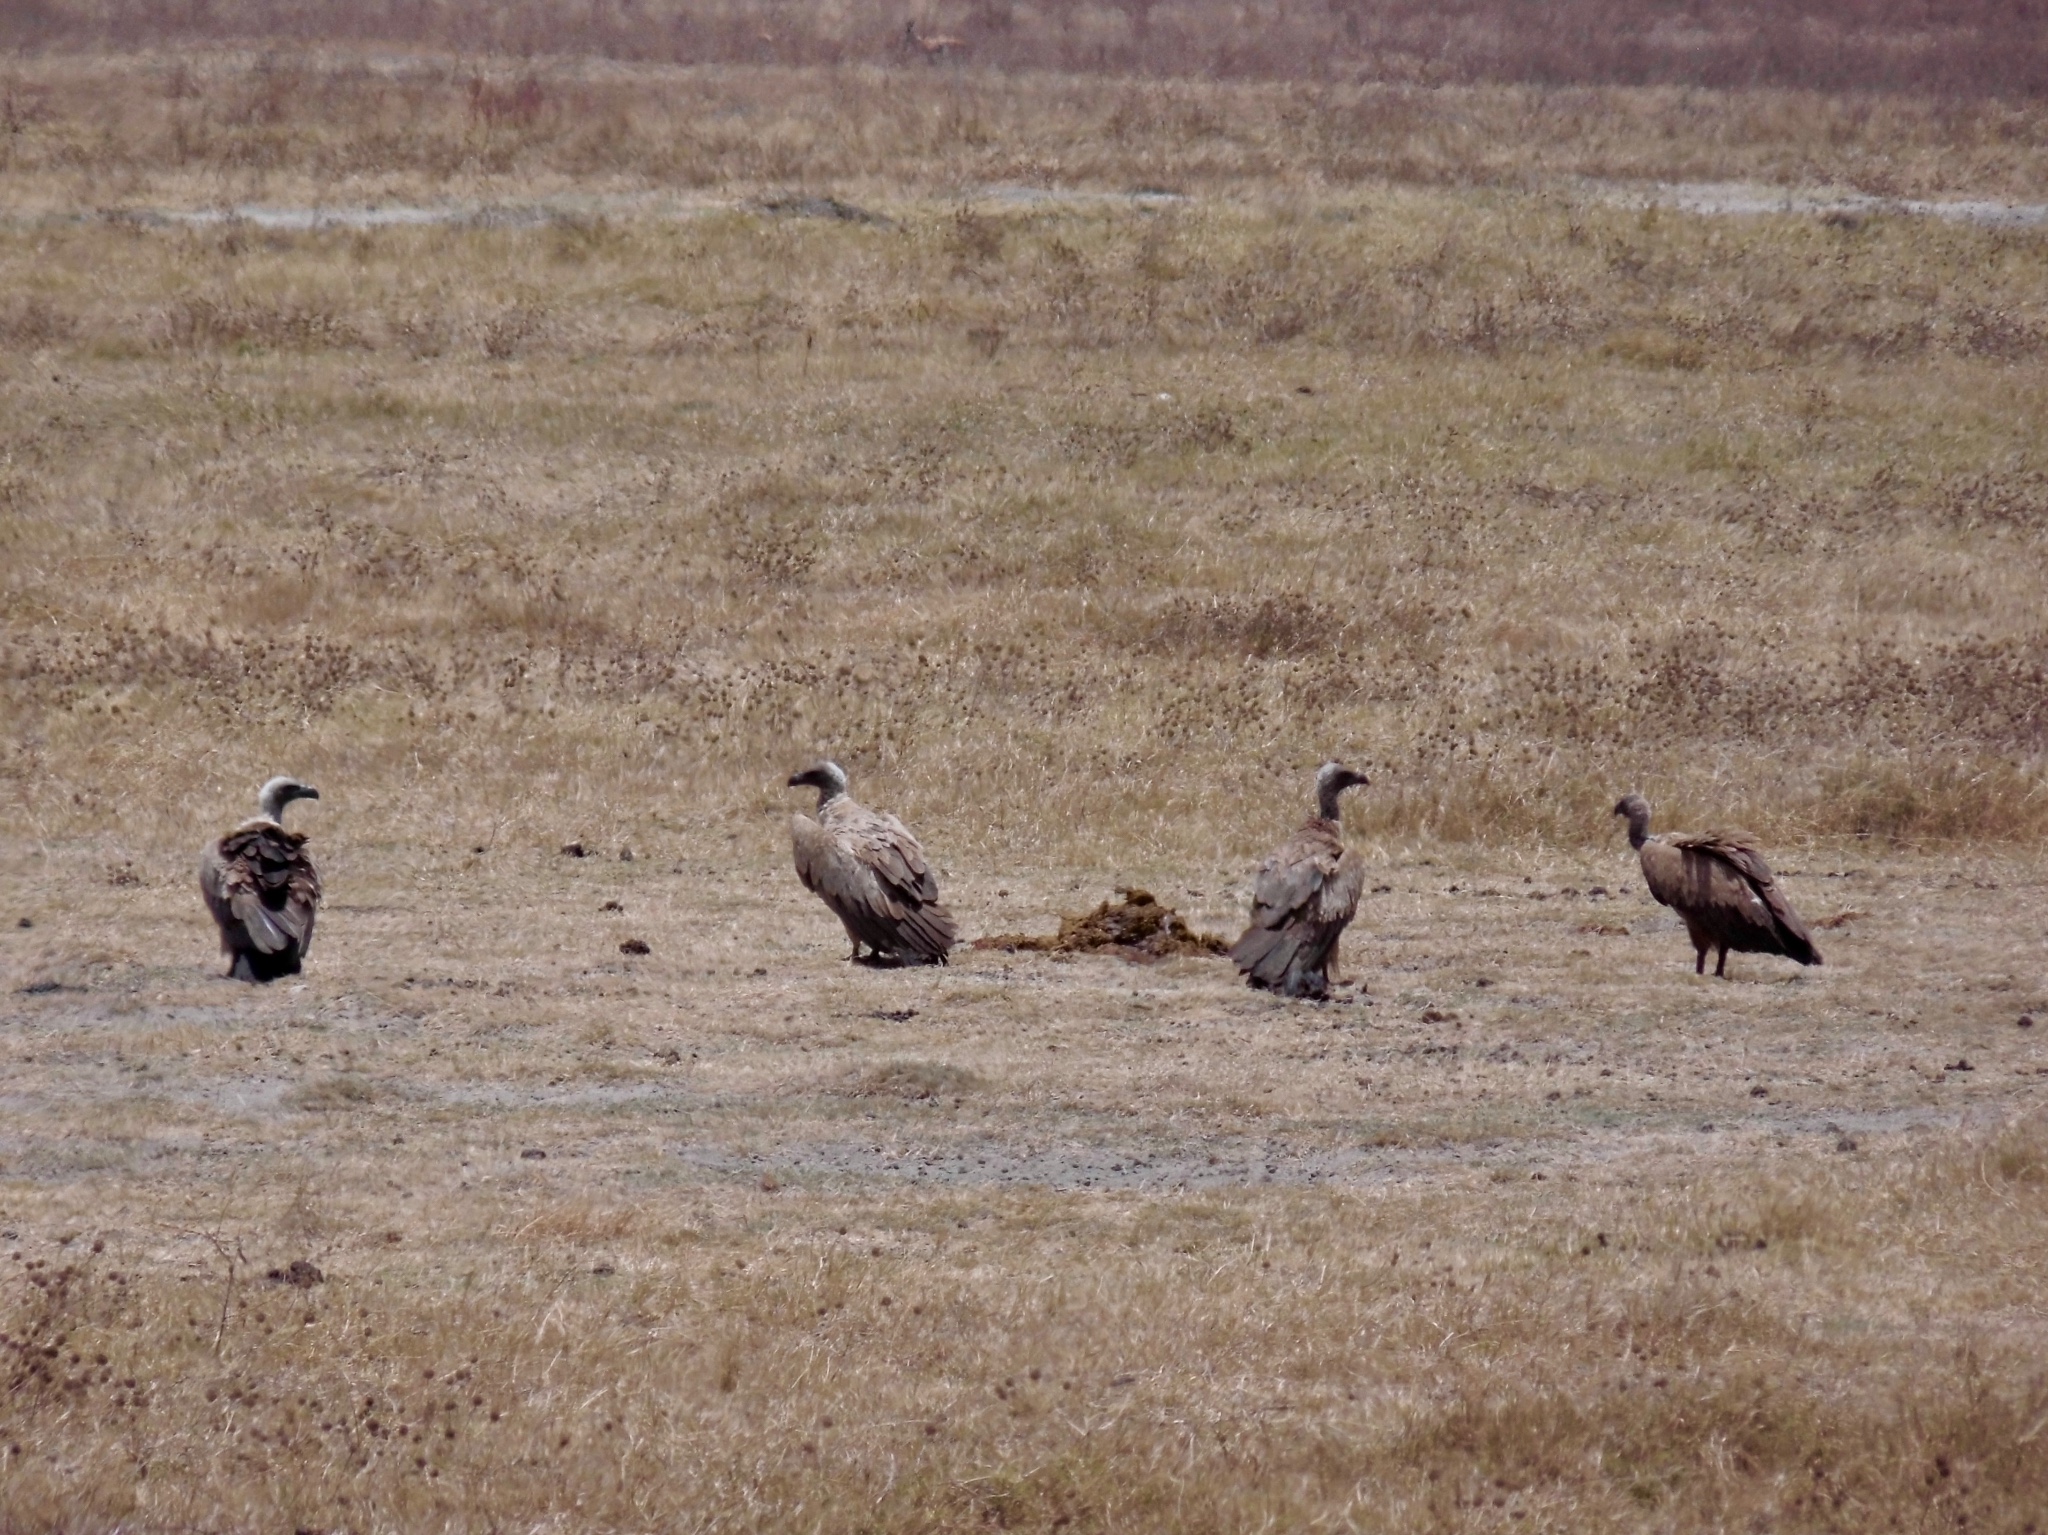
1137 927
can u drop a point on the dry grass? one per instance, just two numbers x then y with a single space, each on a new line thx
1521 497
1965 49
1080 530
187 129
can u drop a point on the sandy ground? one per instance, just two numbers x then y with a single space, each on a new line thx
1544 1019
736 1234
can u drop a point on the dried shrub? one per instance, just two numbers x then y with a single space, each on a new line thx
772 528
33 321
916 1081
1911 800
198 323
1276 624
515 104
337 1093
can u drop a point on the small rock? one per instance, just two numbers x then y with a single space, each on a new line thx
24 922
603 1270
2026 1019
1959 1064
533 1154
611 906
1846 1143
574 850
634 946
299 1274
625 855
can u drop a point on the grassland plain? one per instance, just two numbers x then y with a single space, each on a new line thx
1964 49
1079 527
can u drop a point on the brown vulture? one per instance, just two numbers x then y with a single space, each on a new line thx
869 869
262 888
1719 883
1303 896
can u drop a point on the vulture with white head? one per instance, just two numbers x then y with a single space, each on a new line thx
1303 896
1720 885
262 888
869 869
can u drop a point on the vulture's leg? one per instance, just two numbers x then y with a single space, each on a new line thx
1721 964
1699 965
241 970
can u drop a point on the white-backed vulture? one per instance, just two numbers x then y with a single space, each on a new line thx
869 869
1719 883
1303 896
262 888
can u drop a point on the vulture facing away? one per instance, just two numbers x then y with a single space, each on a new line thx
262 888
1303 896
869 869
1719 883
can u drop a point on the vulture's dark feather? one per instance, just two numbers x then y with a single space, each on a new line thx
263 891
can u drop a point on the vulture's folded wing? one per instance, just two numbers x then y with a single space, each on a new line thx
1749 895
815 850
1293 877
1738 850
262 878
870 871
1337 901
903 863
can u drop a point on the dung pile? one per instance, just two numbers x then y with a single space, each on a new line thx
1136 926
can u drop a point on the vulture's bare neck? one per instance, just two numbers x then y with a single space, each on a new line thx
1638 829
1326 803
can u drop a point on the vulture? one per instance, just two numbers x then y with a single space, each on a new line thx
1303 896
1719 883
262 888
869 869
